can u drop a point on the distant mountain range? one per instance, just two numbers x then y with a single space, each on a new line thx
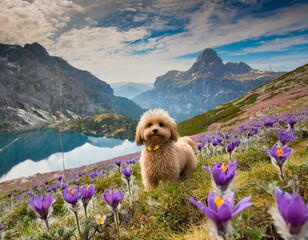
207 84
36 89
130 89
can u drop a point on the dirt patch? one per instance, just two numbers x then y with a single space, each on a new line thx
264 103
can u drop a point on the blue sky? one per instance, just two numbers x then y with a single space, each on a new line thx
140 40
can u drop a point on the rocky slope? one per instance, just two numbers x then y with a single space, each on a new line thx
106 124
207 84
36 89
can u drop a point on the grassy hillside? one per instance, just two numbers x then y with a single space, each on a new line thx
107 124
266 96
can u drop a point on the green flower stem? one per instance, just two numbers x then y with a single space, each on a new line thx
85 213
281 173
11 204
116 219
130 193
47 225
77 222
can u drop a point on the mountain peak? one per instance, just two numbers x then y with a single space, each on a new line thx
208 54
237 68
207 63
36 49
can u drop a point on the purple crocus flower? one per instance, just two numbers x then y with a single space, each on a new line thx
41 205
221 210
230 147
201 145
215 142
219 139
127 172
227 136
128 178
280 155
268 123
86 193
63 185
290 215
2 228
54 187
117 162
71 195
285 137
131 161
113 198
292 121
236 142
222 174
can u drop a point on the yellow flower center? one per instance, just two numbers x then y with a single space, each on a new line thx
72 191
224 167
100 220
279 152
218 201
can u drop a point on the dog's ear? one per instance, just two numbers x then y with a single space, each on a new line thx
138 136
174 132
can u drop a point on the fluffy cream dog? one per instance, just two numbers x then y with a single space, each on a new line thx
165 156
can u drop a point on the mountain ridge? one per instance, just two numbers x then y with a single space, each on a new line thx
36 89
130 89
207 84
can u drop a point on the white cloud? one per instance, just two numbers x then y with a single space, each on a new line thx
84 42
278 44
26 22
217 24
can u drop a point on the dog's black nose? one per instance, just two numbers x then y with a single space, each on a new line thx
155 131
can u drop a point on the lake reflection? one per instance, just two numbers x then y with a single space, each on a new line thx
27 153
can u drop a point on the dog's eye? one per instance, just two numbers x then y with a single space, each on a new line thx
161 124
150 124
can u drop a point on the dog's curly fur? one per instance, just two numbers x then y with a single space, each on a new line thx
165 156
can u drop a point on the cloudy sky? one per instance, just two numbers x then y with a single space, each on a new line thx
138 40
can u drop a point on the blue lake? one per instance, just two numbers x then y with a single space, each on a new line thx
27 153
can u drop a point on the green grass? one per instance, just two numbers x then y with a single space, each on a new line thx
201 122
221 114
